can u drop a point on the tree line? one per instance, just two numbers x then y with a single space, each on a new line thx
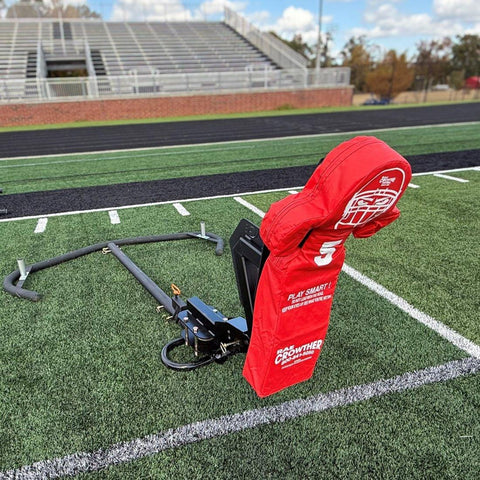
52 9
447 62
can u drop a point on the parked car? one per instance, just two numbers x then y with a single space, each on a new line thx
376 101
441 87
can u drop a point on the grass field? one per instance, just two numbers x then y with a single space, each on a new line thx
80 370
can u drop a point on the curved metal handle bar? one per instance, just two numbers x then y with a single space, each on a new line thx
177 342
9 281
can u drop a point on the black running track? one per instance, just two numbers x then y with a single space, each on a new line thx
137 193
89 139
110 196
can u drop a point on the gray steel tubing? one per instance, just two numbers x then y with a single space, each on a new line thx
155 291
17 291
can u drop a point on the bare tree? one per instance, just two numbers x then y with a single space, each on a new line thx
433 63
356 56
55 9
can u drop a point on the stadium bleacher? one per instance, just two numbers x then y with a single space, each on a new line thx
46 58
123 47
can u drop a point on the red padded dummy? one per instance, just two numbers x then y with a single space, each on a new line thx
354 190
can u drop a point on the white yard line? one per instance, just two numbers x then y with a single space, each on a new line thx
412 185
251 207
116 157
114 217
449 177
41 225
154 204
452 170
226 425
181 209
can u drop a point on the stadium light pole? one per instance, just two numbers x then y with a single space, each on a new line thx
319 40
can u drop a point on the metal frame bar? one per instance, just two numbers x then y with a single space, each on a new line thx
155 291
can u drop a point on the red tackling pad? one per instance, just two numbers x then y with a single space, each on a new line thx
354 190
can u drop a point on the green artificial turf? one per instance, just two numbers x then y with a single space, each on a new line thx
428 433
80 370
430 256
55 172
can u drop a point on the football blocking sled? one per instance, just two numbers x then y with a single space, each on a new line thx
286 271
353 191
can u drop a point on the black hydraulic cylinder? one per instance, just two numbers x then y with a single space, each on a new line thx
155 291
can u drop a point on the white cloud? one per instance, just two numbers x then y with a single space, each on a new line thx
212 7
296 20
170 10
381 13
150 10
474 30
466 10
259 17
374 3
389 21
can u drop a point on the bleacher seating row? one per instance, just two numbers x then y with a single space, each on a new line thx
121 48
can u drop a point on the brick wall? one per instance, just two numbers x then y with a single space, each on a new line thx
155 107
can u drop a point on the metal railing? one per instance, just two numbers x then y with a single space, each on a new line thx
63 47
41 62
274 48
45 89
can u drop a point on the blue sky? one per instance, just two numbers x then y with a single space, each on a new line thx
398 24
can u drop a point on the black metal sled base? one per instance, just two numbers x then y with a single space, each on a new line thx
211 335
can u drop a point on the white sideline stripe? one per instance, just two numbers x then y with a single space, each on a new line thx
181 209
114 217
293 192
118 157
226 425
41 225
451 335
452 170
292 137
449 177
412 185
251 207
185 200
139 205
